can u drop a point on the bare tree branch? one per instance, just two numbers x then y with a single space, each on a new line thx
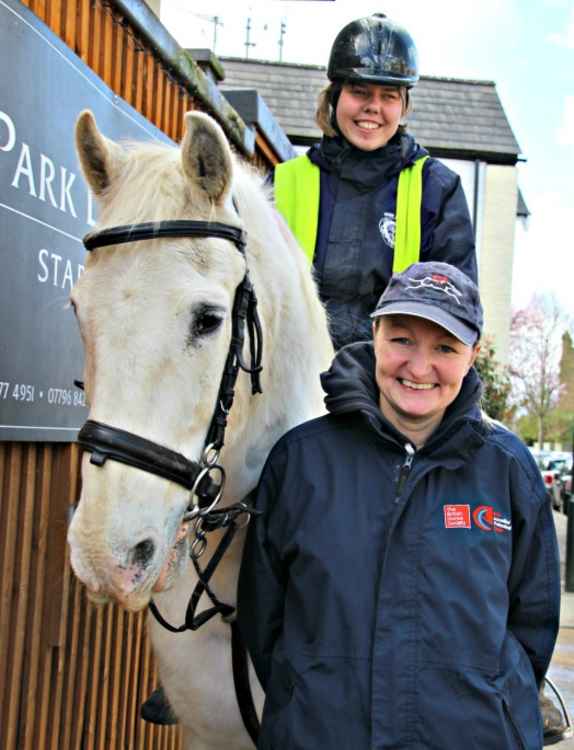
535 341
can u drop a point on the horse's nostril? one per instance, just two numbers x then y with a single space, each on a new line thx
142 553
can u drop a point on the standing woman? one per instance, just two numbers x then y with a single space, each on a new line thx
368 200
400 587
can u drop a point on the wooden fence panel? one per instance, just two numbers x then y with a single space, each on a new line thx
73 676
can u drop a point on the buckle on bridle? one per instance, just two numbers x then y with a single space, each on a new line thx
208 462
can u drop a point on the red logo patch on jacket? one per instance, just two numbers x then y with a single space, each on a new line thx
485 518
456 516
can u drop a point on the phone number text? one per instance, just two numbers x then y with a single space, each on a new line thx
31 393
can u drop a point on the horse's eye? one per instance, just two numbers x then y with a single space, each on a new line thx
206 321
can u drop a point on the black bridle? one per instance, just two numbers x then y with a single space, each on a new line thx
205 479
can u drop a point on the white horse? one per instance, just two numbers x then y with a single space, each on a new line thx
155 322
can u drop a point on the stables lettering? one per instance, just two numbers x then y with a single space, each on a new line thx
37 174
56 270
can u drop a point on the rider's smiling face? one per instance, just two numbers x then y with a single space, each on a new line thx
369 115
419 371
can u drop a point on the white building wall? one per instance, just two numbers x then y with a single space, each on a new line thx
497 254
466 171
471 175
495 227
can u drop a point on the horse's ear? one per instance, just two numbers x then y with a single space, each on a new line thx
206 156
100 158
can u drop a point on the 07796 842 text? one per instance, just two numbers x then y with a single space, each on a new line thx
31 393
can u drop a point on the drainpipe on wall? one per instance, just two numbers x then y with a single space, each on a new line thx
475 196
478 204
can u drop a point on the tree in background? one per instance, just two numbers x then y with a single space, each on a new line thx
563 416
566 402
496 382
534 360
560 422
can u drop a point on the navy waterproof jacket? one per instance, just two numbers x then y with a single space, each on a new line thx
355 238
391 601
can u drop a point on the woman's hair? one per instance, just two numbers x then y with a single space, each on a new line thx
327 104
325 109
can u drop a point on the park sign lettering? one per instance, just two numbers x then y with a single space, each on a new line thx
39 177
45 209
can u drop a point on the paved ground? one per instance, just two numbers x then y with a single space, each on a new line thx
562 668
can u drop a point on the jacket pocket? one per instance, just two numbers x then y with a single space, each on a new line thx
324 704
463 708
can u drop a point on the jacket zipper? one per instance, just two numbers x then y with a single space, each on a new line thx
405 470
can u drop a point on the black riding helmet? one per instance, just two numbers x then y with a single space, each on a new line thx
374 50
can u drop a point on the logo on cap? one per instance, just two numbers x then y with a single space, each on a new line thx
439 283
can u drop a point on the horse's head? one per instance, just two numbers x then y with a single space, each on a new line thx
155 319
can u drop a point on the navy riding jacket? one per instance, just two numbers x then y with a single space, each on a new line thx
399 601
355 238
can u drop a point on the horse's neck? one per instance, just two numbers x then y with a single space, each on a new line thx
291 396
297 348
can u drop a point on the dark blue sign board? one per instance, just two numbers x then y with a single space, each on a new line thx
45 209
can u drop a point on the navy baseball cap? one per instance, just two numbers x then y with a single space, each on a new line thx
437 292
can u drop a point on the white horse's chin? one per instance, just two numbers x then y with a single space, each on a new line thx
96 598
135 601
174 563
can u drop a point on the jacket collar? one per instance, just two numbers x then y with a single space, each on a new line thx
365 169
350 387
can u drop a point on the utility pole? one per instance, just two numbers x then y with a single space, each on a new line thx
248 43
281 35
216 21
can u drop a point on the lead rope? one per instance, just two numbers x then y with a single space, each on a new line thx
239 661
193 621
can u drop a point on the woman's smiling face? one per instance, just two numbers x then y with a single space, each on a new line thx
369 115
419 371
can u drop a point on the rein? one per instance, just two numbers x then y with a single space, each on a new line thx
205 479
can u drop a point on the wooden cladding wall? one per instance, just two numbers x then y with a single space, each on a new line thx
104 41
72 676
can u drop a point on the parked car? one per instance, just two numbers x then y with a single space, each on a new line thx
551 479
561 465
556 470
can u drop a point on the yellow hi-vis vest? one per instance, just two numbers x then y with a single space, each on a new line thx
297 199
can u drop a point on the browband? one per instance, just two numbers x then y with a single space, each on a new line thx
157 229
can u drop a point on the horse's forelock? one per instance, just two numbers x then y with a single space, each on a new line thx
135 198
